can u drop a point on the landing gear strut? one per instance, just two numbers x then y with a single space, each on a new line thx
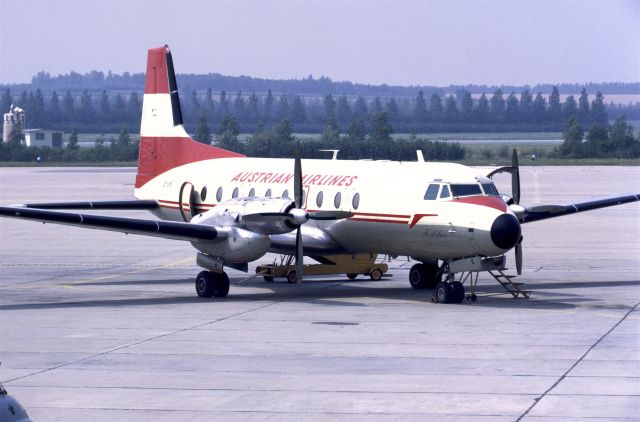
210 284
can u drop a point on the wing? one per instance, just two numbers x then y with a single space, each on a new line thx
149 204
543 212
166 229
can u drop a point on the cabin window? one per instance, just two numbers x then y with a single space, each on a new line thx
337 199
219 194
432 191
355 202
235 193
285 194
444 192
252 192
319 198
268 193
203 193
466 190
490 189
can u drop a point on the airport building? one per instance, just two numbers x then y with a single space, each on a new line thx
10 119
43 138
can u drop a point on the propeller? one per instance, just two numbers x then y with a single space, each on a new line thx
515 178
297 215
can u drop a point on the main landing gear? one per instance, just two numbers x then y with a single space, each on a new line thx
210 284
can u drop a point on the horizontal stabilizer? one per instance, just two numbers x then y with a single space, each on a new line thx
166 229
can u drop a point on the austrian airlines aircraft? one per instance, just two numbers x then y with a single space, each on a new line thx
234 209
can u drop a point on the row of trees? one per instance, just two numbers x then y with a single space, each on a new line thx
615 141
423 113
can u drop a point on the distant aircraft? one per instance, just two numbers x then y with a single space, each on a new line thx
234 209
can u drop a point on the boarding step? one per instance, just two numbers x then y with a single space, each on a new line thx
506 281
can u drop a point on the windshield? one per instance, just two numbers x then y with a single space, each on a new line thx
490 189
465 190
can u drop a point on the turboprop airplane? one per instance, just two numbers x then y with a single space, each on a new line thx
235 209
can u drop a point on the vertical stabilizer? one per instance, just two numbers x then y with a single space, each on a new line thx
164 144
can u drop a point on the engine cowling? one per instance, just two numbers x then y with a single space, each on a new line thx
245 241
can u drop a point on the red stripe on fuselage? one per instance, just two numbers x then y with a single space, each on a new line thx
486 201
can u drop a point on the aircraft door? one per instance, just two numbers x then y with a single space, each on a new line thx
186 200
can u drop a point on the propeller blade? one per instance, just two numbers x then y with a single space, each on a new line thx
515 178
299 255
266 217
519 257
297 179
330 215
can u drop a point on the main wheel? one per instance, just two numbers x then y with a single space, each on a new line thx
443 292
424 276
204 284
292 277
220 285
375 274
457 290
352 276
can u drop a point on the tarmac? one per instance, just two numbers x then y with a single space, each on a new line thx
102 326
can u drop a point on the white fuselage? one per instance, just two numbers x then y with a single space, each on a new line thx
391 214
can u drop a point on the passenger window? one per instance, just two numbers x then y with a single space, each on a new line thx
432 191
444 193
268 193
466 190
252 192
319 198
219 194
337 200
285 194
203 193
235 193
355 202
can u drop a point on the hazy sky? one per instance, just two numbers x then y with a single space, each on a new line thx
393 42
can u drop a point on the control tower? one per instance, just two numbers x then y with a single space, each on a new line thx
13 117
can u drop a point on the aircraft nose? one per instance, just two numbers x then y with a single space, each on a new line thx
505 231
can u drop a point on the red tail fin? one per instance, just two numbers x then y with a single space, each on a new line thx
164 144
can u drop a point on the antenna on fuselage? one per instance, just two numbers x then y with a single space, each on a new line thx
420 156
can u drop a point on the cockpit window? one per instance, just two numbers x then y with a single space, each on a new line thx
490 189
466 190
432 191
444 192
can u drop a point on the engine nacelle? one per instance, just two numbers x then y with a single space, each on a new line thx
238 246
230 213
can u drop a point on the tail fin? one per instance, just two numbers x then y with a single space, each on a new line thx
164 144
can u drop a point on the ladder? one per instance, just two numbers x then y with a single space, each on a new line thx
506 281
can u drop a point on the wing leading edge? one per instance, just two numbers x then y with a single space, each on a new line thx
543 212
166 229
147 204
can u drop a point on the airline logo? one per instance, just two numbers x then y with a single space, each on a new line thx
283 178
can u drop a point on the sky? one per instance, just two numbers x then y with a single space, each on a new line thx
393 42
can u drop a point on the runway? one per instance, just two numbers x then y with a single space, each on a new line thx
103 326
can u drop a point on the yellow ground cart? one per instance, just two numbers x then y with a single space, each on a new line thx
350 265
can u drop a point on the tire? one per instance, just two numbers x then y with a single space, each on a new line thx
352 276
292 277
417 277
423 276
375 274
204 284
457 290
443 292
220 285
268 278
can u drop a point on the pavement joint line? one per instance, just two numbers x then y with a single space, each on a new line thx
107 277
115 349
593 346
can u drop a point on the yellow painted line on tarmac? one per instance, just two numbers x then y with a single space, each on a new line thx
75 284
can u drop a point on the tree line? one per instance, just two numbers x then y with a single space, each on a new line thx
614 141
524 111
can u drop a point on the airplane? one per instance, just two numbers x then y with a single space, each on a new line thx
235 209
